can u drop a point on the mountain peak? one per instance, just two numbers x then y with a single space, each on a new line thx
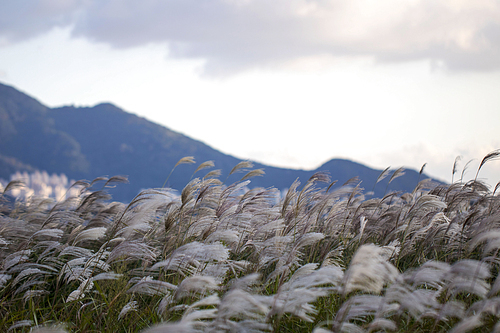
108 106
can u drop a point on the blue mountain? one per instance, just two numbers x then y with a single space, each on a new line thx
104 140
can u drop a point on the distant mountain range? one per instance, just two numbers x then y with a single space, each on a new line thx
104 140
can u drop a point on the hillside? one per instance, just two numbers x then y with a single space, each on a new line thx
28 134
104 140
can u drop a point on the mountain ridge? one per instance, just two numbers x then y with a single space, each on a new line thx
88 142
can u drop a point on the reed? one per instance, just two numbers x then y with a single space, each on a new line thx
227 258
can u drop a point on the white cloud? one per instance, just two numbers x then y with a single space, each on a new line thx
237 34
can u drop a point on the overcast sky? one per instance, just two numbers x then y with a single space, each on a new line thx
289 83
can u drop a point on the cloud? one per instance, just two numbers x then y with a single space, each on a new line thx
24 19
232 35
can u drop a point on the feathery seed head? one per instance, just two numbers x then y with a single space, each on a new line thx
241 166
185 160
369 270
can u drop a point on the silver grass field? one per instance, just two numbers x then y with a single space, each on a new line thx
223 257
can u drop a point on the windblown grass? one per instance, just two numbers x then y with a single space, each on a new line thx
226 258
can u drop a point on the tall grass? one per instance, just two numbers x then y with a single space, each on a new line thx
226 258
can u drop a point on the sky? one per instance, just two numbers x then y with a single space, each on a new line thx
289 83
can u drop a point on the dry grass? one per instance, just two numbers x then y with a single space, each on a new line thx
225 258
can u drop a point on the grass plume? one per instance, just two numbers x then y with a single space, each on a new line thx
229 258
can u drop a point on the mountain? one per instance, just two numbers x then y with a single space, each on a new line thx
9 165
119 143
28 134
88 142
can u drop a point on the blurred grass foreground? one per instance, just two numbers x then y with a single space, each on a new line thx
228 258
